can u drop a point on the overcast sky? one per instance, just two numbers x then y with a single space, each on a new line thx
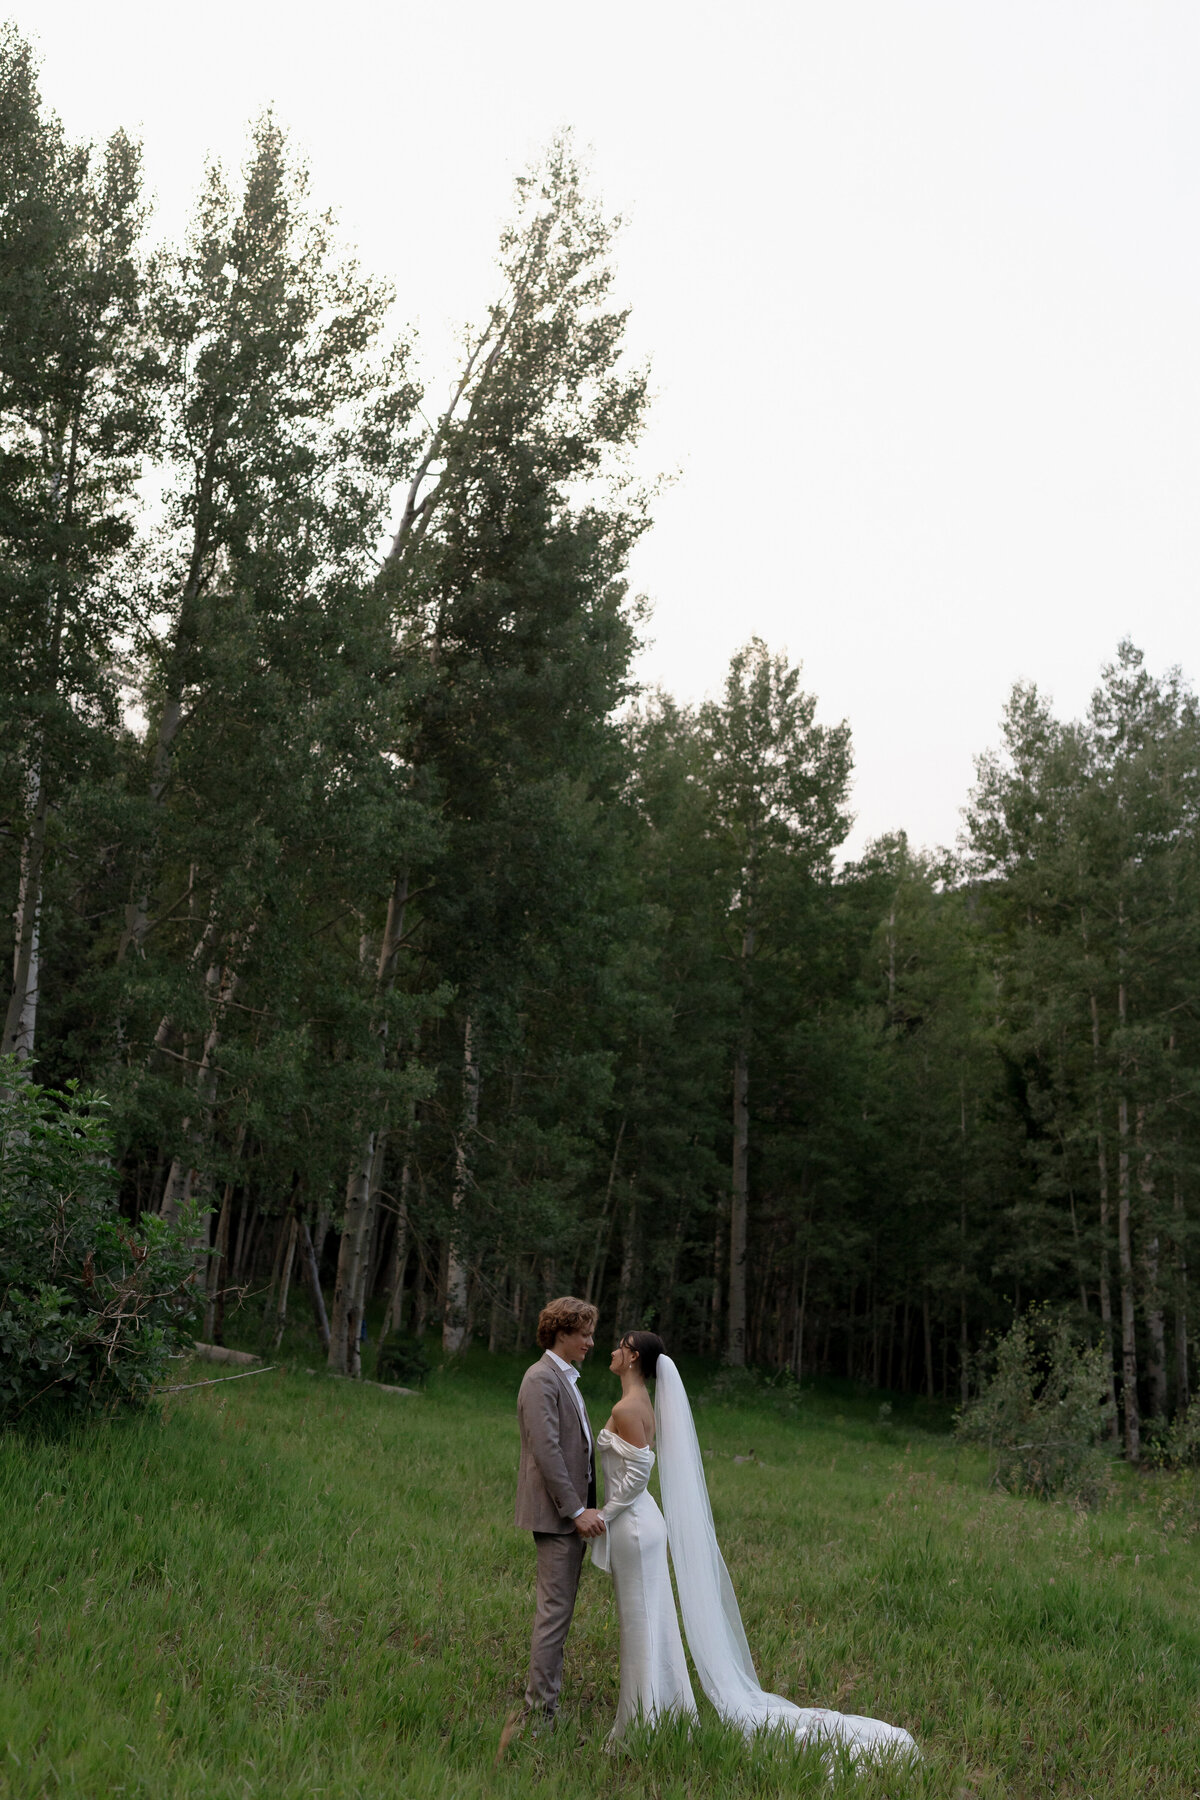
919 283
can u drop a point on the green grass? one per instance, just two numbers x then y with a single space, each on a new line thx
291 1585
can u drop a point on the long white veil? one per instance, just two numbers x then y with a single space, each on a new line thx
712 1623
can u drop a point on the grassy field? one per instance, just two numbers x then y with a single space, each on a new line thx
291 1585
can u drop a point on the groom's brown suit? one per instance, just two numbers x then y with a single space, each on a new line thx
556 1478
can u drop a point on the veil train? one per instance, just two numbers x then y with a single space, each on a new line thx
712 1622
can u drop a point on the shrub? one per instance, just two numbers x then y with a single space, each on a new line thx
402 1360
736 1386
91 1311
1178 1444
1045 1414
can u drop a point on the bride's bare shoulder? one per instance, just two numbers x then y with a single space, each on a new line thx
634 1422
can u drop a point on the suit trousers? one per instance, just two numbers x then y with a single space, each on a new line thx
559 1560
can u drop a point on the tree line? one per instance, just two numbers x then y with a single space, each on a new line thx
426 966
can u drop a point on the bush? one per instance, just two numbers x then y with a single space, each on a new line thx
732 1386
1045 1414
91 1311
402 1361
1178 1443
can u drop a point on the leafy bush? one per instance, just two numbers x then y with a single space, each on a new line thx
90 1310
402 1360
732 1386
1045 1414
1178 1442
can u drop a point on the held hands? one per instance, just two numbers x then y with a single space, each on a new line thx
589 1524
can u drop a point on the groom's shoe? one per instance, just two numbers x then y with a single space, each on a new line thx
525 1720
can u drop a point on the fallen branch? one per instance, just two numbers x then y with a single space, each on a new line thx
212 1382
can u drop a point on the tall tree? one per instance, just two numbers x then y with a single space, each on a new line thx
505 572
76 418
777 784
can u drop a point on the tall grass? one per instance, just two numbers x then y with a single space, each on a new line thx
292 1585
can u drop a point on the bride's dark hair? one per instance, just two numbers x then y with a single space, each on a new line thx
648 1347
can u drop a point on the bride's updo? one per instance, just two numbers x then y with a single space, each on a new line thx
648 1347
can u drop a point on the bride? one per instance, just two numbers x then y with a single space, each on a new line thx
654 1677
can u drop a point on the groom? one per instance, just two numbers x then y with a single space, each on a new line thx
556 1491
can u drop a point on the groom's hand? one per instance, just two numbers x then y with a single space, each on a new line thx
589 1524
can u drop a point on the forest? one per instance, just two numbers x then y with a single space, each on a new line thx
426 966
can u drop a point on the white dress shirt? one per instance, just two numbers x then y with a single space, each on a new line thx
572 1375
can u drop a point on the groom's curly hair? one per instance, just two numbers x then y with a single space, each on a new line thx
567 1314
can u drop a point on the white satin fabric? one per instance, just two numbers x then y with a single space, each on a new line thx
654 1676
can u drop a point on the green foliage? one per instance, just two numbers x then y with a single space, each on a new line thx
1044 1414
91 1312
737 1385
402 1360
1177 1444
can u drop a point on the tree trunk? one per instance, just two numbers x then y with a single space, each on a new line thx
285 1282
666 1328
313 1275
218 1268
393 1312
1129 1368
344 1326
455 1319
595 1280
623 1320
720 1240
798 1350
345 1346
246 1220
363 1268
186 1175
1156 1330
276 1266
928 1344
739 1196
1182 1381
1106 1312
321 1232
20 1024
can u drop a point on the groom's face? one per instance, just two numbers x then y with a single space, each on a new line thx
573 1346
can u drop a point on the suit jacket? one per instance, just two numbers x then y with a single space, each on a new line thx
556 1475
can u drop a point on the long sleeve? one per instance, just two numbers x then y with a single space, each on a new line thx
631 1480
626 1473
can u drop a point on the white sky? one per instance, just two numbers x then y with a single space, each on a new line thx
919 281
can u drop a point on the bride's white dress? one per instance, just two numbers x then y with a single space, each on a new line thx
654 1676
654 1679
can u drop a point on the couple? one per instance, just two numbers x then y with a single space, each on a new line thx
556 1500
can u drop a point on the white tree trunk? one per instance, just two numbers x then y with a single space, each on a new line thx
346 1320
456 1333
393 1316
20 1024
285 1282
